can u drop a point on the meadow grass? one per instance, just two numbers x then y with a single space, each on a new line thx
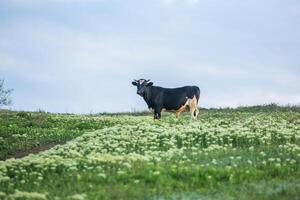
243 153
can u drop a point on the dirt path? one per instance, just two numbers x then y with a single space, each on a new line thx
35 150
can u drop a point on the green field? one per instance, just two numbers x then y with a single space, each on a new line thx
244 153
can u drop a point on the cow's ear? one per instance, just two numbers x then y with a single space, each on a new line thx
150 84
134 83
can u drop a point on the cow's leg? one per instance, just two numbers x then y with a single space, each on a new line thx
193 108
192 111
180 110
157 113
196 112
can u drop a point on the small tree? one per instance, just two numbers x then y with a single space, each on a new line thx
5 98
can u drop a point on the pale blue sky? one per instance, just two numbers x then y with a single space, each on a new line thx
81 55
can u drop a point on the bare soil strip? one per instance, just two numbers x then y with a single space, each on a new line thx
34 150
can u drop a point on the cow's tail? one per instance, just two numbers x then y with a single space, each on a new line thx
197 93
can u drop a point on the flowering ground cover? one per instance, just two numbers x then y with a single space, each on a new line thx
249 153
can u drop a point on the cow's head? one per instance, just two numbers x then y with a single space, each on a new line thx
142 86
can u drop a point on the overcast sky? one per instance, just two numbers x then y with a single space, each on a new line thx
80 56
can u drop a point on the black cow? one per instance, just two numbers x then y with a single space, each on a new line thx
167 99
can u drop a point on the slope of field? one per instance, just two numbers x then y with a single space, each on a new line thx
226 154
22 133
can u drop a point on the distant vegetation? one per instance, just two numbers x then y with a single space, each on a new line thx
243 153
5 98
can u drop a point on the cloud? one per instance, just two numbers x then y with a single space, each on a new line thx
32 2
218 71
192 2
248 96
71 48
168 2
171 2
70 67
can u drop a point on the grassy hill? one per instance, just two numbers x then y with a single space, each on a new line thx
243 153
